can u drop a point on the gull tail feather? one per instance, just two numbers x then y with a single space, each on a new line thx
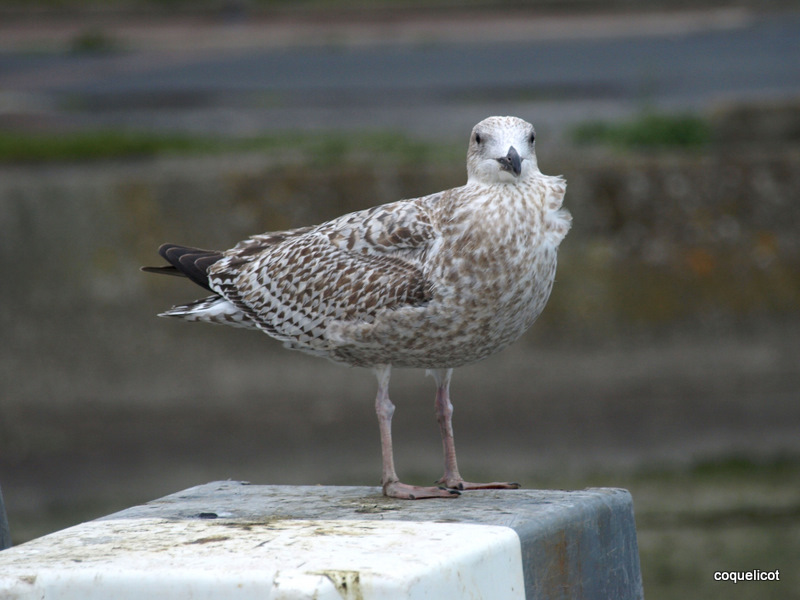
193 263
213 309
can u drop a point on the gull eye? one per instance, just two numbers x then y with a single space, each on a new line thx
532 138
478 138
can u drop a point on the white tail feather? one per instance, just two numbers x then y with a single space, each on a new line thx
214 309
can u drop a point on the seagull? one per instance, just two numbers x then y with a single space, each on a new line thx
433 283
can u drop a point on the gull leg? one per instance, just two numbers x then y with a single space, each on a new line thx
444 415
392 486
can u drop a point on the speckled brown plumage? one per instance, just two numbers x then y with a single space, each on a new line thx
434 282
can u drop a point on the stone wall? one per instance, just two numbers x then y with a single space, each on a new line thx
657 239
680 237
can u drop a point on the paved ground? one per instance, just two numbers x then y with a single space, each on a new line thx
429 75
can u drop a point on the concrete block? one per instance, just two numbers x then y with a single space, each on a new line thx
234 540
5 534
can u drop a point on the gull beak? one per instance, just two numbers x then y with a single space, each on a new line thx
511 162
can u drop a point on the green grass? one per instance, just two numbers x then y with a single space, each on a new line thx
321 149
648 130
94 41
21 147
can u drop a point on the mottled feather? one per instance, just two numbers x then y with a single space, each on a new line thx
431 282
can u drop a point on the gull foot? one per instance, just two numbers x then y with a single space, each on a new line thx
404 491
461 485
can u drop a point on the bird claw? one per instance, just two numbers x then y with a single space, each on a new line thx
462 485
404 491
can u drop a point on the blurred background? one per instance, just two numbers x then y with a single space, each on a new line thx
666 362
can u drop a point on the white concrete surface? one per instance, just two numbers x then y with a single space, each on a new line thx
238 541
275 559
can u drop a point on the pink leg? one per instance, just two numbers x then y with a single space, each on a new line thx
392 486
444 415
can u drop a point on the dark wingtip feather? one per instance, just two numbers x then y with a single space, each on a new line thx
163 249
187 262
165 270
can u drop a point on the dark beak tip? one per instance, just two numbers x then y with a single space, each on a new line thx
511 161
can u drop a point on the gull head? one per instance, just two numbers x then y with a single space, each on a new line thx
501 150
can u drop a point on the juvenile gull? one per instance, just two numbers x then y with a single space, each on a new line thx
435 282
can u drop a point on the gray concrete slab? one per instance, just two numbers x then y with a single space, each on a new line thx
235 540
573 543
5 535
